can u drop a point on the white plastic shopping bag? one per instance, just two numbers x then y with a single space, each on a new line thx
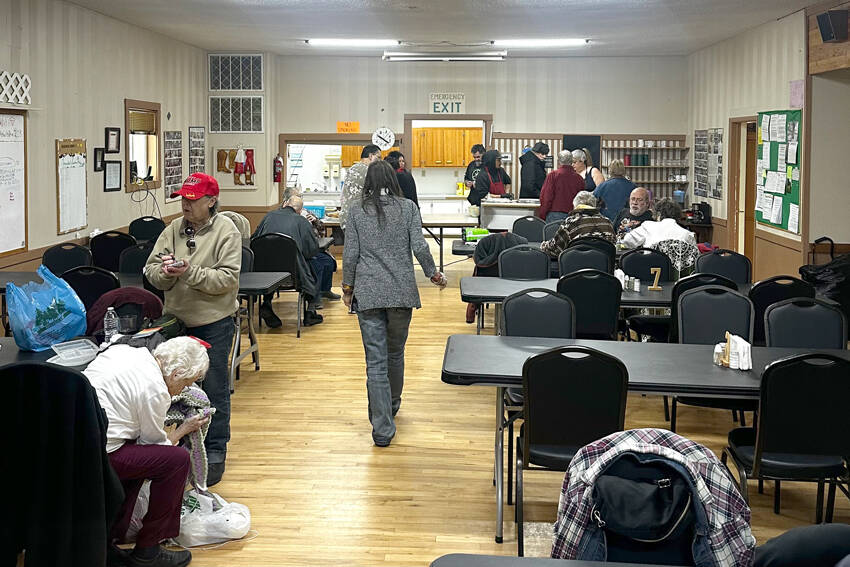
209 518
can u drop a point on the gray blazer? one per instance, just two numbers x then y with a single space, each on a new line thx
377 259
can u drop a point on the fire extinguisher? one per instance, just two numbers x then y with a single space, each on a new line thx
278 168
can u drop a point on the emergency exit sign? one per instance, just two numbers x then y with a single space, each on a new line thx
447 103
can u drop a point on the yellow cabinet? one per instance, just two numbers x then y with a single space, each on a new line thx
443 147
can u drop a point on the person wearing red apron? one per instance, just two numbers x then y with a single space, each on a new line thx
492 180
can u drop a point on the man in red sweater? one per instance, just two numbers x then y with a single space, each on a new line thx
559 189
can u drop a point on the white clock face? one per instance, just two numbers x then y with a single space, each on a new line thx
384 138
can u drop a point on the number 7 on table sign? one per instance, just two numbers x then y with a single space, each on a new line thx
657 273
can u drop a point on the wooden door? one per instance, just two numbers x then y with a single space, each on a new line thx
471 136
453 147
750 193
434 145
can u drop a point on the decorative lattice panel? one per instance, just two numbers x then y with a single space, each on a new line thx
236 72
236 114
15 88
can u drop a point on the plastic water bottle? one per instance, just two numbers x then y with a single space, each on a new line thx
110 324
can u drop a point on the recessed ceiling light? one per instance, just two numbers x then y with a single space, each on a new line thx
352 42
531 43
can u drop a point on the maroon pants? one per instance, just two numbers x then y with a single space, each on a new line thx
167 468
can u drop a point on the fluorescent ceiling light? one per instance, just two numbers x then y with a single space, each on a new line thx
352 42
531 43
437 56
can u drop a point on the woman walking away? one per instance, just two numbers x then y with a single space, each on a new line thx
382 231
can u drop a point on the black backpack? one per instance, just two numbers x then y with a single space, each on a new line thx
831 280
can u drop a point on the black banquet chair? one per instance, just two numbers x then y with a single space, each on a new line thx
727 263
62 257
106 248
90 282
804 322
549 229
766 292
600 243
573 395
276 252
810 447
132 259
596 297
639 262
146 229
529 227
583 256
523 262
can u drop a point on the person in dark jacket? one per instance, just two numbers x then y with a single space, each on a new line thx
491 180
486 257
533 172
404 177
315 268
474 166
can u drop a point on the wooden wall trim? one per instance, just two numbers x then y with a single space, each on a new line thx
717 221
779 240
521 136
825 57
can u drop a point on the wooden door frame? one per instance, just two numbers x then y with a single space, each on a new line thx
733 173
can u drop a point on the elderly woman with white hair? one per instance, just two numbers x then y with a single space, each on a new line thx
135 387
585 220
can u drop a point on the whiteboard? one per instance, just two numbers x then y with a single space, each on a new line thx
13 230
71 185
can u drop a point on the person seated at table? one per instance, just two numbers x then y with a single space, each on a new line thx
614 192
315 267
665 227
636 212
584 220
559 189
134 387
492 179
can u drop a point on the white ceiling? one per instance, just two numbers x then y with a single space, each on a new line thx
616 27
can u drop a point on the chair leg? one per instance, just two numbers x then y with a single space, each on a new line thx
830 501
742 481
666 409
519 535
510 462
298 315
743 419
735 416
761 486
819 504
777 493
673 414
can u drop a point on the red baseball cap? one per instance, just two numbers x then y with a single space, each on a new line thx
196 186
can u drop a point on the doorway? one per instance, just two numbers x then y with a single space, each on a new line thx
743 140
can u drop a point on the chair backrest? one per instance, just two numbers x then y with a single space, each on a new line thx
684 284
127 301
538 312
794 387
683 256
132 259
638 263
247 259
106 248
146 228
529 227
62 257
600 243
707 312
596 298
524 262
90 282
728 263
767 292
580 257
242 223
572 396
805 322
276 252
550 228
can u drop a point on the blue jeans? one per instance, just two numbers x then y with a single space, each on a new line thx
553 216
324 266
217 384
384 333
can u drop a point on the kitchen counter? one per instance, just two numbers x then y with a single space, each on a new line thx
500 214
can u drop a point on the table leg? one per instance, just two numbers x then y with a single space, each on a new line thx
252 335
479 319
499 450
441 249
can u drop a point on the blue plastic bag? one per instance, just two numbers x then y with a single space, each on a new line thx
43 314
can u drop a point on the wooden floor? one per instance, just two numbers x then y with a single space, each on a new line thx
320 493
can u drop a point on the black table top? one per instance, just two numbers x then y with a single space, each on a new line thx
653 367
10 353
468 560
474 289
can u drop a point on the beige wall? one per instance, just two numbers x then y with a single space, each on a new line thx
742 76
579 95
83 65
830 184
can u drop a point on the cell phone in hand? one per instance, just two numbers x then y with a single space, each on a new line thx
177 264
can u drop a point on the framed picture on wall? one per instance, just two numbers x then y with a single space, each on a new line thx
98 159
112 176
113 140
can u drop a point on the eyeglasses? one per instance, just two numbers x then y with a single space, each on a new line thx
190 243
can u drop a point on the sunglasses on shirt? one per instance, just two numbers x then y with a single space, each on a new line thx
190 243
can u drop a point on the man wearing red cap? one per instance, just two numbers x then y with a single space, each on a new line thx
196 262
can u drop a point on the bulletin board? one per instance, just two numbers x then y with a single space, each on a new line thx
778 169
71 193
13 182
